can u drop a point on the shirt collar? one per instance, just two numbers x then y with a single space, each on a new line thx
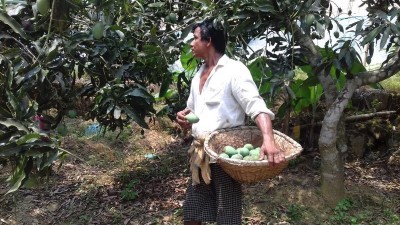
223 60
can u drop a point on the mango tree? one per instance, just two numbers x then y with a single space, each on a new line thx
55 52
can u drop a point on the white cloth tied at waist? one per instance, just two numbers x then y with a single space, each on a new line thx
199 162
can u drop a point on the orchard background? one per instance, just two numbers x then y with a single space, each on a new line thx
89 91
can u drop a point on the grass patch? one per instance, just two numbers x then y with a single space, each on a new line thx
392 83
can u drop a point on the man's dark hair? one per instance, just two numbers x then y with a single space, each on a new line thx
212 29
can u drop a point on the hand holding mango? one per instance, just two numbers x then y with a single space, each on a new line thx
182 120
192 118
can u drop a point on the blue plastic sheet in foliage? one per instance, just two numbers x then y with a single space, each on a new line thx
151 156
93 129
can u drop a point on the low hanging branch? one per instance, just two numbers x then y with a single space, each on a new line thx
369 116
356 118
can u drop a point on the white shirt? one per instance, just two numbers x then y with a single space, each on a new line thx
228 94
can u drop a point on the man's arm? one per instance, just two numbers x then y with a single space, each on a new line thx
269 148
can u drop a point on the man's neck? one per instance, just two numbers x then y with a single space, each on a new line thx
212 59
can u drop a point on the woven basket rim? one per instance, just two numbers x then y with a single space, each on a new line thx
296 148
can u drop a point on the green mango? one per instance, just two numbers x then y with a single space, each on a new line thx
244 151
98 30
237 156
43 6
223 155
229 150
192 118
255 153
248 158
249 146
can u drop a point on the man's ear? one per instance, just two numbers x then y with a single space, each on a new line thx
209 42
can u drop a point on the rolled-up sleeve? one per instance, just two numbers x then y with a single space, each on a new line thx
246 93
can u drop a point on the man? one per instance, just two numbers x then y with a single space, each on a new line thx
222 93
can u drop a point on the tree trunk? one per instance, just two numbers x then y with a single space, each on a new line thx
332 167
332 145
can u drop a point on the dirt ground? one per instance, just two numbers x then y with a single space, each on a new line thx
110 181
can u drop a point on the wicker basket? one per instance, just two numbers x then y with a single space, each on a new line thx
248 171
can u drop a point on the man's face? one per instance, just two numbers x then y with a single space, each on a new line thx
198 47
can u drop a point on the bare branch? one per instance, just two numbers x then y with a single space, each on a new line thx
374 76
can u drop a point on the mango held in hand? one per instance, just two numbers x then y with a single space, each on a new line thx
192 118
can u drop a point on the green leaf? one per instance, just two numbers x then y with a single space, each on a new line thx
242 26
17 28
265 6
189 63
132 114
140 92
28 138
52 156
348 59
311 81
10 149
320 29
13 123
5 112
17 184
371 35
290 92
395 29
38 151
206 2
52 52
257 68
165 86
359 26
30 71
357 67
156 4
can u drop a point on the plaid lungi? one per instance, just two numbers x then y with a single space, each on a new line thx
220 201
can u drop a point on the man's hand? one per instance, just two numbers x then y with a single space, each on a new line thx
181 119
274 154
268 147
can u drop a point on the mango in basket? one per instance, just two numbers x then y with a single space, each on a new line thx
248 146
248 158
224 155
237 156
230 150
192 118
255 152
243 151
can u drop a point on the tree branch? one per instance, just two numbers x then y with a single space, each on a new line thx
316 61
357 118
374 76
